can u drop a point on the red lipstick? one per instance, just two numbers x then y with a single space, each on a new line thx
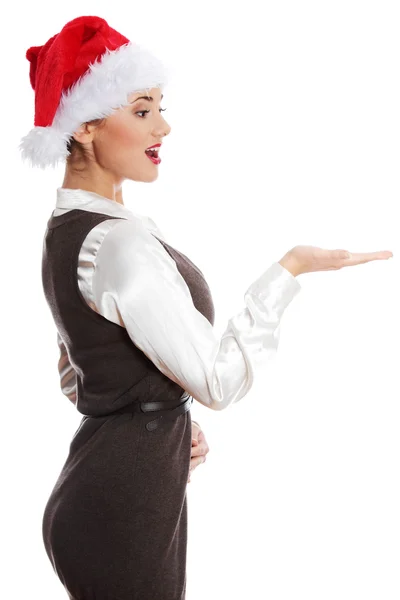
152 153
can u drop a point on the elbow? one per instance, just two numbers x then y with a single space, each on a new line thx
232 396
218 404
217 400
213 403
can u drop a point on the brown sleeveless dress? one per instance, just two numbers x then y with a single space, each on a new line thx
115 524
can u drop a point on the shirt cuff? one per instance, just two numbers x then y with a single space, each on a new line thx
275 288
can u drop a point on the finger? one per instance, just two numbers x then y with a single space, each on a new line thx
196 461
196 452
199 450
201 436
336 259
202 439
358 258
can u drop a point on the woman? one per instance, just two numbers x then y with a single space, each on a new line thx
134 321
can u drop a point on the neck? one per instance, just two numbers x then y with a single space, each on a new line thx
93 182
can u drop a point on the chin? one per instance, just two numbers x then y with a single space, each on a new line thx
155 176
143 177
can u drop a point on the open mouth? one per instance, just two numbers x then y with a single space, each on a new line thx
152 153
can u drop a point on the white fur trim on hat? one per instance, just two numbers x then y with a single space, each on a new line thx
102 89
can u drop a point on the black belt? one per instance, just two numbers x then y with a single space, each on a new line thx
169 409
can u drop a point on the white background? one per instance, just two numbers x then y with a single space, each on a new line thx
285 131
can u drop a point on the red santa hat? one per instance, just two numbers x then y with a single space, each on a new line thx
85 72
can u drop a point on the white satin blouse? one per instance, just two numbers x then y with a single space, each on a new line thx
126 275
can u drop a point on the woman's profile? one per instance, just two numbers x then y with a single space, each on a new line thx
134 319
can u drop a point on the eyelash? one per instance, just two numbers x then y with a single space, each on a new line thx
147 111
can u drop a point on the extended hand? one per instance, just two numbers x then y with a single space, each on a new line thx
308 259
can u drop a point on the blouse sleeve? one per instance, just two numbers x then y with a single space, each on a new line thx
135 283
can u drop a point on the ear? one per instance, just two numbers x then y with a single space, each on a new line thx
84 134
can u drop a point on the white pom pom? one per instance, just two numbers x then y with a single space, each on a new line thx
44 146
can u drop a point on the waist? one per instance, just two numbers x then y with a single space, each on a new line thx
165 410
163 405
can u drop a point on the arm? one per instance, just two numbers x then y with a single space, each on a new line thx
66 371
135 283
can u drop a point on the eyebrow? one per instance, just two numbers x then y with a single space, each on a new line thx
145 98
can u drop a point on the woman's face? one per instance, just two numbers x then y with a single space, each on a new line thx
120 143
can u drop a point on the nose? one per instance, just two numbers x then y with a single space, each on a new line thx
166 129
162 130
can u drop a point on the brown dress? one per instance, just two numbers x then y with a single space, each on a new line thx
115 524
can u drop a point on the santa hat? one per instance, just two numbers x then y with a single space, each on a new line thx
85 72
